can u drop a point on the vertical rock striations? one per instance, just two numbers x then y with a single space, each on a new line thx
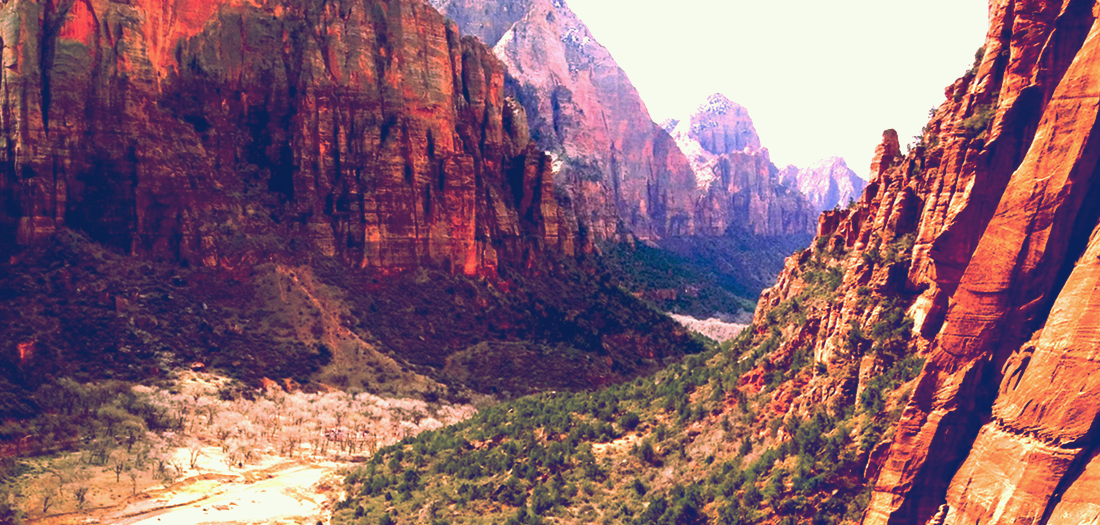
222 132
622 173
827 183
1023 253
738 184
985 234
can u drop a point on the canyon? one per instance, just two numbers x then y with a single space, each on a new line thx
376 199
339 192
623 173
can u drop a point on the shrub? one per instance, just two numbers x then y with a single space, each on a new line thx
977 123
629 421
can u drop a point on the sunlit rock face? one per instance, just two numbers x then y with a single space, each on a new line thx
995 207
222 132
827 183
738 184
621 172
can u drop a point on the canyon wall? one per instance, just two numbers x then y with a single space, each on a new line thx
623 173
223 133
739 187
984 233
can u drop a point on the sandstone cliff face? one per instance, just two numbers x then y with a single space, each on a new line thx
738 184
827 183
985 234
621 172
222 132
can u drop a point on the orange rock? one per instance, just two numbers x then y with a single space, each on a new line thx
1044 217
887 154
174 129
999 198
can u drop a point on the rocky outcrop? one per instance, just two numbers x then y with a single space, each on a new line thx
985 234
745 192
719 126
222 133
738 184
827 183
621 172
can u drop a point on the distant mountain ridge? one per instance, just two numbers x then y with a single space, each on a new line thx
739 186
827 183
622 172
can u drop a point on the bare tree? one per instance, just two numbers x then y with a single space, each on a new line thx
194 451
80 495
133 474
119 466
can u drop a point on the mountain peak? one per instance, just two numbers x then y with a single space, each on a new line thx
718 104
827 183
721 126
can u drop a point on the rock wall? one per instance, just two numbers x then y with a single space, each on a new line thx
985 232
827 183
739 187
622 173
226 132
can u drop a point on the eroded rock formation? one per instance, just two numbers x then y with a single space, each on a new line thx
223 132
623 173
738 184
985 233
827 183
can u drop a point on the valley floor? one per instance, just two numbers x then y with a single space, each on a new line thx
265 457
276 491
718 329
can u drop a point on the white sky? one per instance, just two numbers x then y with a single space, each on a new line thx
819 77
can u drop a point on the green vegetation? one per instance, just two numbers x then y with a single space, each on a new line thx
700 277
94 445
691 444
561 329
571 457
131 319
73 309
975 125
723 437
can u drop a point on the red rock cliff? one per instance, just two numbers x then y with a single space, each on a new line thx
985 233
623 173
223 132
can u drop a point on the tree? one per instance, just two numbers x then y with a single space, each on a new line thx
132 431
46 490
119 466
133 474
80 494
194 451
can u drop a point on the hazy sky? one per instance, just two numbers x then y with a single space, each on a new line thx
819 77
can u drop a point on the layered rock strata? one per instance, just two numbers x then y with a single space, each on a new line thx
223 132
739 186
622 173
985 232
